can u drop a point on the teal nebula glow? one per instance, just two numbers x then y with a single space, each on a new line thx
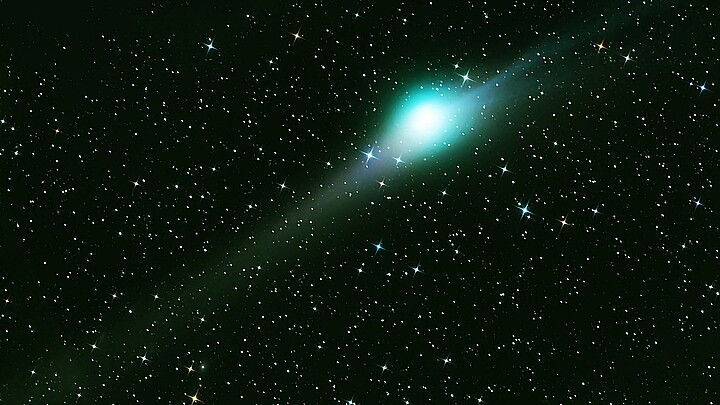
427 122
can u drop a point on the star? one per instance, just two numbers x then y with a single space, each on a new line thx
282 185
155 297
525 211
296 36
627 59
57 130
504 170
398 161
384 368
33 373
446 360
563 222
114 295
601 46
7 301
382 183
443 193
136 183
93 347
378 247
143 358
194 398
465 77
703 87
697 204
190 369
456 65
369 155
416 270
595 210
210 46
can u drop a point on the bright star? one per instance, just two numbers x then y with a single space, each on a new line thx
194 398
382 183
416 270
443 193
595 210
190 369
504 170
563 222
378 247
282 185
296 36
369 155
697 204
398 161
627 59
384 368
210 46
601 46
525 211
465 77
143 358
703 87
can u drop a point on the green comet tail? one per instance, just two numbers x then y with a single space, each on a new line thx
427 122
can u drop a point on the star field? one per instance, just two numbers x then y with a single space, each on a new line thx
353 203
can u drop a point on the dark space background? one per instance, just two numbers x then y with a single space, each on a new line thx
185 223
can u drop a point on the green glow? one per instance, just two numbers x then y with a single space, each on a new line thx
426 122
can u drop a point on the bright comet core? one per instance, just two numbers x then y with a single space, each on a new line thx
426 120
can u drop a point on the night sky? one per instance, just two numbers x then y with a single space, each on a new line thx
272 202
